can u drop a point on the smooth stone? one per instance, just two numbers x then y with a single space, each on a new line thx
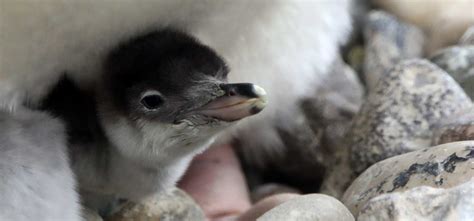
468 37
458 61
443 21
270 189
312 207
173 206
388 41
423 204
442 166
399 115
458 127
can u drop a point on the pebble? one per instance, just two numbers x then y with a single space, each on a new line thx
468 37
312 207
399 115
388 41
458 61
173 206
443 21
458 127
442 166
423 204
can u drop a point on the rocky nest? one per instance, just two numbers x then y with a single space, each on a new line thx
390 135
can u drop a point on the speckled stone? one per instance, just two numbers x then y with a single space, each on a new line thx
468 37
458 61
423 204
174 206
442 166
399 115
388 41
312 207
457 127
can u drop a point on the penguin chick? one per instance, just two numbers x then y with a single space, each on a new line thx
285 46
162 99
36 181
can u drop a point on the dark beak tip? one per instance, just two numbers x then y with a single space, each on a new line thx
243 89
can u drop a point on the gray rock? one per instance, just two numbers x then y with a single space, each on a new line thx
442 166
400 113
313 207
329 115
339 176
444 22
457 127
458 61
334 105
173 206
355 56
388 41
468 37
423 204
90 215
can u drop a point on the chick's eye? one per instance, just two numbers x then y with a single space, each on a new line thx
152 102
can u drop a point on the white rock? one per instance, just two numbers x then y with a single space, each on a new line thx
444 21
442 166
423 204
313 207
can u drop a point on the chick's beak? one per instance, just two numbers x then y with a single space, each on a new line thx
239 101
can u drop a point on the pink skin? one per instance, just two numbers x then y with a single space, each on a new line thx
217 184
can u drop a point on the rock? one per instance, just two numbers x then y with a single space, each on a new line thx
443 21
443 166
423 204
468 37
329 114
335 103
343 81
301 164
90 215
399 115
458 127
355 57
173 206
313 207
271 189
388 41
338 177
458 61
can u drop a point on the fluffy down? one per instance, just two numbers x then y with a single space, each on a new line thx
285 46
36 180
